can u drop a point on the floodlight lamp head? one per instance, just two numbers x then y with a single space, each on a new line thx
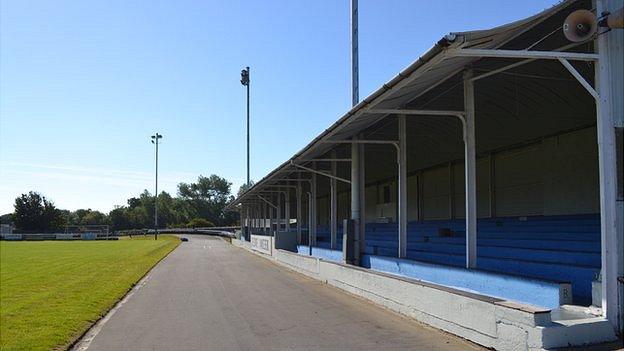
245 76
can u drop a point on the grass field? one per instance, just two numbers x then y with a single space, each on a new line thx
52 291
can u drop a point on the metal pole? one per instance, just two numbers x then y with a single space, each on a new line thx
355 195
470 169
248 84
360 239
608 73
287 210
156 196
264 218
155 139
402 187
333 208
246 81
354 54
299 214
313 208
278 224
310 215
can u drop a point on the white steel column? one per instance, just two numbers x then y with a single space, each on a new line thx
271 212
355 197
333 207
310 215
313 208
253 221
278 225
247 221
360 239
264 218
241 219
609 112
470 168
287 210
299 214
402 187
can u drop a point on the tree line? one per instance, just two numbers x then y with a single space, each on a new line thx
198 204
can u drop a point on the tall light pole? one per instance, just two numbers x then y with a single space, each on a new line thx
155 139
355 80
246 82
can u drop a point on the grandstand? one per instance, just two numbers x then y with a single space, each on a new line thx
489 165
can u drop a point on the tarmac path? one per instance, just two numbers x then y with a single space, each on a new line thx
210 295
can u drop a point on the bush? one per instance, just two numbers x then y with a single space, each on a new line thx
199 222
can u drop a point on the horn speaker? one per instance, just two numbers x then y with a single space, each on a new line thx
580 25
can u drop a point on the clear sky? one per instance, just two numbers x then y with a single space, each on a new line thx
83 84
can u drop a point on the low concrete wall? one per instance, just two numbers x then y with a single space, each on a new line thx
12 236
262 243
537 292
488 321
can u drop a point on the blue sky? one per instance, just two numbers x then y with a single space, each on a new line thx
83 84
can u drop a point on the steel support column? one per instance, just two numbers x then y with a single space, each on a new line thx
271 212
313 208
278 225
356 197
609 113
470 169
247 222
264 218
299 214
287 210
402 187
310 215
333 207
361 238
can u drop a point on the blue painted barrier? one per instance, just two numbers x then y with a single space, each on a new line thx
320 252
536 292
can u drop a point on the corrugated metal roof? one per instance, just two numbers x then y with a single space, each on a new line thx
424 74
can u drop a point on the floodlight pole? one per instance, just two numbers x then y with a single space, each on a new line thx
155 139
355 81
245 80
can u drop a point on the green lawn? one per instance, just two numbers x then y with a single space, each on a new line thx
52 291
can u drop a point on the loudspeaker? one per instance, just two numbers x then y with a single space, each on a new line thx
580 25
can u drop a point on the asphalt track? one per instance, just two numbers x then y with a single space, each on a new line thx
209 295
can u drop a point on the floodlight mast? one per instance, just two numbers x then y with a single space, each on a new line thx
355 67
245 80
155 139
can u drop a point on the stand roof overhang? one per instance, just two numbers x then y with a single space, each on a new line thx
437 65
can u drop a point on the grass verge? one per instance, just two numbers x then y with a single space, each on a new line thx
53 291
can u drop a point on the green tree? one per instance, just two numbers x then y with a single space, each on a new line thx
119 218
245 187
199 223
87 217
6 218
207 198
35 212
